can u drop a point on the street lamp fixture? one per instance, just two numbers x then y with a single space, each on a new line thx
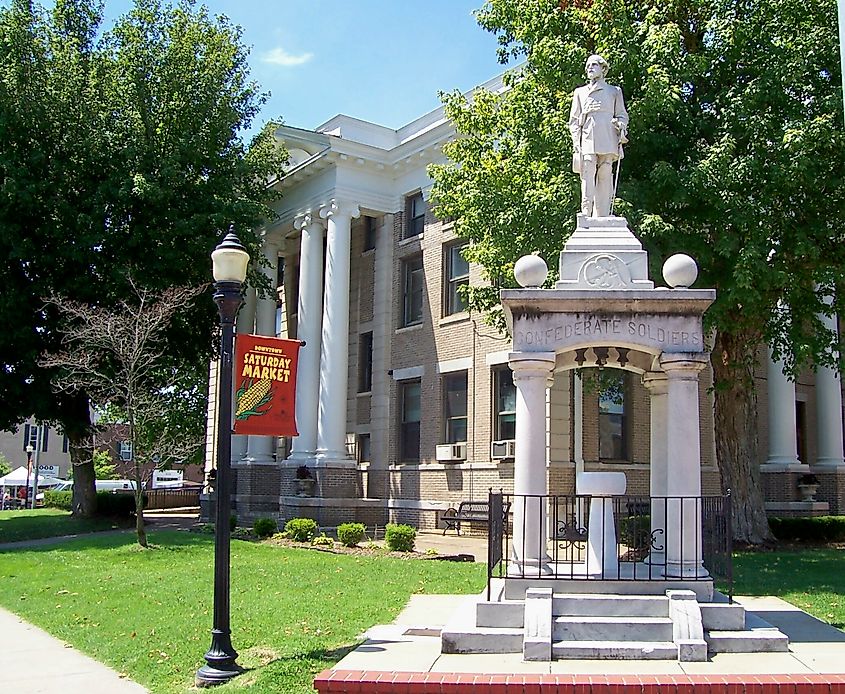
230 261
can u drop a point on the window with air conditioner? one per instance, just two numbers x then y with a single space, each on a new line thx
455 407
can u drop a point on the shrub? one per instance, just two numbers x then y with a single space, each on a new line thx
60 500
350 534
635 531
819 529
117 505
301 529
322 541
400 538
264 527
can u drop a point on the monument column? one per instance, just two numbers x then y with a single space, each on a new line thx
334 356
684 555
260 449
658 387
309 313
783 438
829 409
532 376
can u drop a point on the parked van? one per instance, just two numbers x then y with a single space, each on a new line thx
100 485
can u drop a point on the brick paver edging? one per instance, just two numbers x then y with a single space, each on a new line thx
375 682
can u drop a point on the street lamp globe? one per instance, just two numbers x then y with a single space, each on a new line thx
29 449
230 260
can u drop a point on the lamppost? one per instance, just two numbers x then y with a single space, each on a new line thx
230 261
29 449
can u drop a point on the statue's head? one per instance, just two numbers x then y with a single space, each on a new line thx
596 67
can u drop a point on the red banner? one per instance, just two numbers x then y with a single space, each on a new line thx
265 385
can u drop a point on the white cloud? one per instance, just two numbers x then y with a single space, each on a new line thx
279 56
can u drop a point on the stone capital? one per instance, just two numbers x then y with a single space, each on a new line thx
340 208
683 364
656 382
528 365
306 219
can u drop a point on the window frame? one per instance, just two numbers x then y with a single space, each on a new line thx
499 414
370 236
411 266
450 434
409 429
452 301
414 223
365 362
624 422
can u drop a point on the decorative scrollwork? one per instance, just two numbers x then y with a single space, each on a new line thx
654 546
570 532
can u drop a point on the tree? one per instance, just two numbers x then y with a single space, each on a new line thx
104 468
118 356
119 155
5 465
735 158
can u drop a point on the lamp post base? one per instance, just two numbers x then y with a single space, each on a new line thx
220 660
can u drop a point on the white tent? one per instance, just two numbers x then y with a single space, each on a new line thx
18 478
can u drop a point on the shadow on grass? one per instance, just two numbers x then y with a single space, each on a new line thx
159 540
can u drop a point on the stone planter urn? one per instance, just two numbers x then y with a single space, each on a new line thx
304 482
808 485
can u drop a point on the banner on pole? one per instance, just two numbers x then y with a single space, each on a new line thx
265 385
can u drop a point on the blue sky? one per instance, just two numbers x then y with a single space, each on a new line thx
379 60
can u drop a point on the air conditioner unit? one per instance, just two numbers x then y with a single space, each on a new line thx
503 450
451 451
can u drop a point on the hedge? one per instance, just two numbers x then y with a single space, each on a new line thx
819 529
108 503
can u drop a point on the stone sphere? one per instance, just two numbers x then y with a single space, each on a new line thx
680 271
530 271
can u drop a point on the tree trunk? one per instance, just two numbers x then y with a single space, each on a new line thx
84 496
733 361
139 515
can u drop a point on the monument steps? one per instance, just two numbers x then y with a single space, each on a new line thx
611 628
590 604
614 650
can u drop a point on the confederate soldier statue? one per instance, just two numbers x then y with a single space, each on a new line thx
598 122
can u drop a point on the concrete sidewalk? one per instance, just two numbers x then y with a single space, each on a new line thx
33 662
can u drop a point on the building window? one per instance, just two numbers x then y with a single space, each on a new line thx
412 283
369 233
365 362
613 415
455 407
505 402
125 450
409 435
414 215
30 436
363 448
456 271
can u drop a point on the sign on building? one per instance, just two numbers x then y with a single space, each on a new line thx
48 470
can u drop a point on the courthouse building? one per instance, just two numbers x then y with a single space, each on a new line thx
405 401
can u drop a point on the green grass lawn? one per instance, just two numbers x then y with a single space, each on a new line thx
810 578
147 613
47 522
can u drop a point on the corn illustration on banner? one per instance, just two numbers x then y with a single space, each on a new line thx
265 385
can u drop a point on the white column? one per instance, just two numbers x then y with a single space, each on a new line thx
829 408
532 376
334 358
309 314
260 449
658 388
684 553
783 436
244 326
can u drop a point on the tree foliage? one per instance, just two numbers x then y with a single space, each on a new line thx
120 155
735 157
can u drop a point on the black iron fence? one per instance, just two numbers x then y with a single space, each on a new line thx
635 538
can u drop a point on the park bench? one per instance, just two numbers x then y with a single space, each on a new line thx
469 511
